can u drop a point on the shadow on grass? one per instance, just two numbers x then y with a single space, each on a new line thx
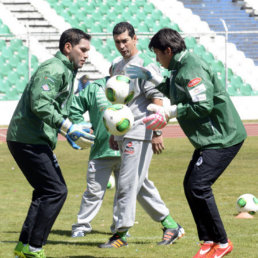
86 256
53 242
89 256
11 232
69 232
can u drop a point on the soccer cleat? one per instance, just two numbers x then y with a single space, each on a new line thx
78 233
28 254
114 242
18 250
218 252
171 235
181 232
204 250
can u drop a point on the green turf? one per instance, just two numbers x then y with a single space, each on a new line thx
167 171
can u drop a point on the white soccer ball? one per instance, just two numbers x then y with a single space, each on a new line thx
247 203
111 182
118 119
119 90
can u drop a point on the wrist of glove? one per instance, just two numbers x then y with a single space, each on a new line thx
65 126
134 71
161 115
171 111
78 135
157 79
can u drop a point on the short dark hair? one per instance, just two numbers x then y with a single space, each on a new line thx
165 38
121 27
72 36
84 77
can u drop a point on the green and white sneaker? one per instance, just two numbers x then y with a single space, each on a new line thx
28 254
18 250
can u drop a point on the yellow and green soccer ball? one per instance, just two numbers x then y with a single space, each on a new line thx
111 182
247 203
118 119
119 89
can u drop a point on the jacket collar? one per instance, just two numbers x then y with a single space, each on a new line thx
176 59
65 61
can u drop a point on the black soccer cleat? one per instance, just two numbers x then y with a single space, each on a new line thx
171 235
114 242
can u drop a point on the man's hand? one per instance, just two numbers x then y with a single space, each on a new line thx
161 115
77 134
86 126
157 144
135 71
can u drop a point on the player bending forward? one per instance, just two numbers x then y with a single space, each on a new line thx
210 121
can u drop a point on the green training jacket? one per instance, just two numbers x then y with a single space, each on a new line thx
93 99
44 104
205 111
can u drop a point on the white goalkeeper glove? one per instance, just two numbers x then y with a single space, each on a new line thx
78 135
135 71
161 115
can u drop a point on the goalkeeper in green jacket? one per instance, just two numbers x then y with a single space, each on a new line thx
209 119
41 113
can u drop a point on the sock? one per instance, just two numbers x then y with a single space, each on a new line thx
208 242
223 245
168 222
122 235
34 249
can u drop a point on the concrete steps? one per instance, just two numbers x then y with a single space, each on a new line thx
43 31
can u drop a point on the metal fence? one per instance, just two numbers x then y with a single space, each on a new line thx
106 39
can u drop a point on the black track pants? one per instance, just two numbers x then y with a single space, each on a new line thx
204 169
40 167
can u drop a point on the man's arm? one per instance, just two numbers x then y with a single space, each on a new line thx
157 138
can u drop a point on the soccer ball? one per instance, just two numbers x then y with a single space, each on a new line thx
247 203
111 182
119 90
118 119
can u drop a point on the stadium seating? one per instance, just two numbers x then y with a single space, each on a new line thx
14 72
242 49
101 16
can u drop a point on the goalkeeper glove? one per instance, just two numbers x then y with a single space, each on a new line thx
77 134
134 71
161 115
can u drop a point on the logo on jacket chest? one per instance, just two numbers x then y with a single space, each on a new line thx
194 82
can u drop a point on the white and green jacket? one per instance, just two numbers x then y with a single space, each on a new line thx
205 111
93 100
44 104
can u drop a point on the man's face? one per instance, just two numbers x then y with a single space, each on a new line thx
163 57
78 53
125 44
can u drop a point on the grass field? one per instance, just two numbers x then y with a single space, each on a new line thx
167 171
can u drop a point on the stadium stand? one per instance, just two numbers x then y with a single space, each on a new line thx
14 72
147 17
242 47
250 6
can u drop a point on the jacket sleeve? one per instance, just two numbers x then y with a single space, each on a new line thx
46 86
164 87
198 91
148 87
79 106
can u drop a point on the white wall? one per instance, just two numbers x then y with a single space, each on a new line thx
246 106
